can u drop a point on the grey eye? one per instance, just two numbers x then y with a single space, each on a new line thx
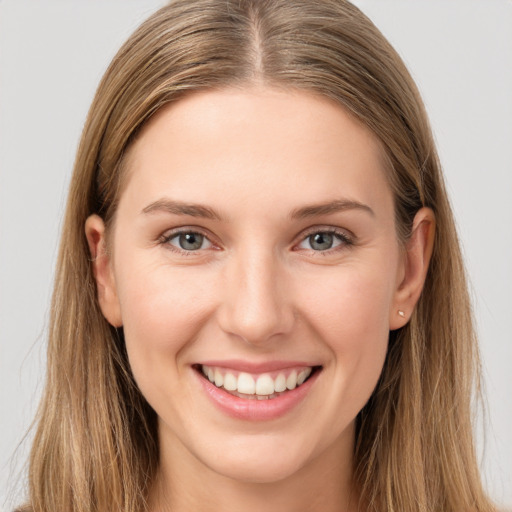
321 241
190 241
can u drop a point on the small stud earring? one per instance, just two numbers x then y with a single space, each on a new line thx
401 313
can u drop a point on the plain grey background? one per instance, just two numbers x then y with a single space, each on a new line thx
52 55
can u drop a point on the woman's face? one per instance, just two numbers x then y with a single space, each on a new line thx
255 243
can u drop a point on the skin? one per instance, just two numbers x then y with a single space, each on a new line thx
257 290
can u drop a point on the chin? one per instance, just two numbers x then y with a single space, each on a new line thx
260 458
262 470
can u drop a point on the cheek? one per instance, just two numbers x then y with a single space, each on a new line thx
351 300
163 309
350 313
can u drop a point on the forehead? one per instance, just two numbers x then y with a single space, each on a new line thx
293 145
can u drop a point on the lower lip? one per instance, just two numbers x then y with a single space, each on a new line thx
256 410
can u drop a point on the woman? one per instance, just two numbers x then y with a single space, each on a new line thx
260 301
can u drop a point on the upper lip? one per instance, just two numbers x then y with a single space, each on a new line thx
256 367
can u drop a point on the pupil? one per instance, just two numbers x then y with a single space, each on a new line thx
321 241
191 241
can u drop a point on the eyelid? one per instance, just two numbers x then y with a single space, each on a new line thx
347 237
168 235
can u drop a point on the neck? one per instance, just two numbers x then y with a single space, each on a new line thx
184 483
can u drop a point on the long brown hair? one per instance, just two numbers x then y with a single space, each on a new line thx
96 447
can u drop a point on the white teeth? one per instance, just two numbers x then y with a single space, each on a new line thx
303 375
246 384
280 383
291 381
230 382
264 385
219 379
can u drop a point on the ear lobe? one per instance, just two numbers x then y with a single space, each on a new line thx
103 271
418 251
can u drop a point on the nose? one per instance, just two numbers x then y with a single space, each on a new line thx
256 305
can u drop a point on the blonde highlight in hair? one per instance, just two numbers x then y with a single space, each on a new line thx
96 446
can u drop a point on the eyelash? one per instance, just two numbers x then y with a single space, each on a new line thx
166 238
345 240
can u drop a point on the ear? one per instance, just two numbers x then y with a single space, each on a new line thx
103 271
417 254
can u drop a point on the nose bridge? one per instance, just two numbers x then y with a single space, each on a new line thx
256 307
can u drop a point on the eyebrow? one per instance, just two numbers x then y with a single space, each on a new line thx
338 205
205 212
181 208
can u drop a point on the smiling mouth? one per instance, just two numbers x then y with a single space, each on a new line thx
263 386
